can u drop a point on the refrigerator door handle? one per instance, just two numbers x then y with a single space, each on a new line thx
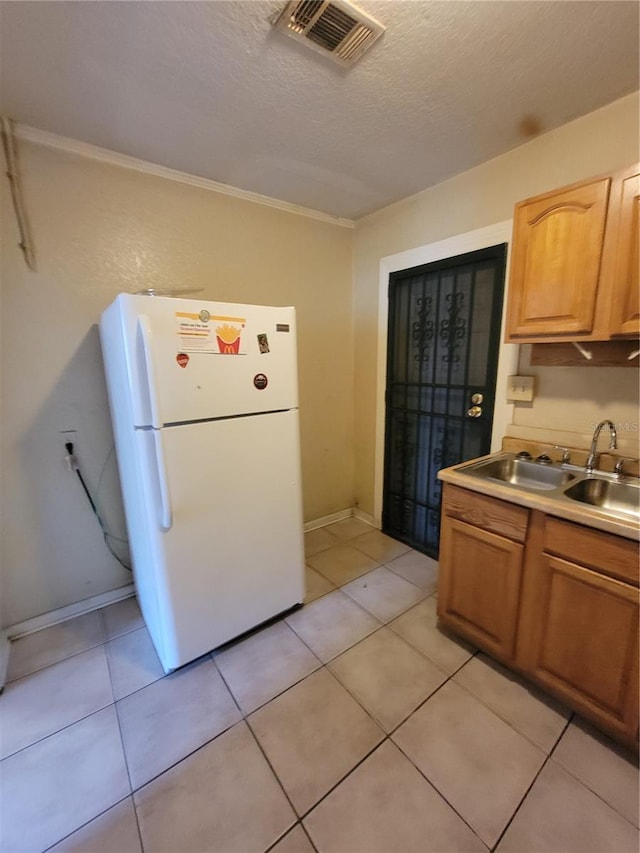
166 516
145 335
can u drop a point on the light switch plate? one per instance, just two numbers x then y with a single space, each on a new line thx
520 389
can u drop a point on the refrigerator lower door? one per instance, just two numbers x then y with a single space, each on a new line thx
233 555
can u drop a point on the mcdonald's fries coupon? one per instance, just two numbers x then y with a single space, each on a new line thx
208 333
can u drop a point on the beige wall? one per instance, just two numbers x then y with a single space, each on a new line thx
99 229
603 140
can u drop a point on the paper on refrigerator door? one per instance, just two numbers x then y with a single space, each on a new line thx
209 333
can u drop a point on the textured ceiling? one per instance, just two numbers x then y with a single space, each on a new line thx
208 88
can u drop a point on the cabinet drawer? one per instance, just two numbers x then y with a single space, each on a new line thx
491 514
611 555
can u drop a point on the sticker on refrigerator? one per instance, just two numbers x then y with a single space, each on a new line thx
183 359
263 343
207 333
228 336
260 381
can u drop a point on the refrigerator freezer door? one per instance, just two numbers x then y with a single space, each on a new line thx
234 555
189 360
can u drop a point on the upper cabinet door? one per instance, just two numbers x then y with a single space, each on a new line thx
624 258
557 250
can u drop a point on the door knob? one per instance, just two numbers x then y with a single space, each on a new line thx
476 399
474 412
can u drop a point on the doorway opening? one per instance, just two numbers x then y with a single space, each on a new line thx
443 340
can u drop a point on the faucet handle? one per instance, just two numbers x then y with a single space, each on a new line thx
618 468
566 453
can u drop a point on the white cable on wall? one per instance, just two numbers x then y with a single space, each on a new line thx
11 157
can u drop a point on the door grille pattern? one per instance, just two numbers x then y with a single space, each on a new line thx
443 340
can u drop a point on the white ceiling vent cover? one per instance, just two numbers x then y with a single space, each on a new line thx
335 28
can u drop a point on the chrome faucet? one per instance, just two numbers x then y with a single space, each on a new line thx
594 457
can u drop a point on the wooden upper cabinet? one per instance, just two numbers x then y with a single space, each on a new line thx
555 267
623 261
574 263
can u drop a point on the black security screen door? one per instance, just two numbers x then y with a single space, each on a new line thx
443 341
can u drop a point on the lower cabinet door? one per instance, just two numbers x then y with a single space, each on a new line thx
583 642
479 586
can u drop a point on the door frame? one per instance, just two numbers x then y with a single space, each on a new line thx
482 238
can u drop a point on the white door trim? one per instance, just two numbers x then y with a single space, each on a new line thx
482 238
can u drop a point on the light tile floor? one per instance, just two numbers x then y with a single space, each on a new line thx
354 724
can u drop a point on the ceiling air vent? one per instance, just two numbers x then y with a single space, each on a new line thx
334 27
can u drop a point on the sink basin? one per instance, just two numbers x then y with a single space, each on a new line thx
522 473
608 495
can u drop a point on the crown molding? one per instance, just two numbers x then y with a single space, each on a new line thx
104 155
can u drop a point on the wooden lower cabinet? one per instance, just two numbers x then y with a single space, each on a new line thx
561 606
479 586
582 643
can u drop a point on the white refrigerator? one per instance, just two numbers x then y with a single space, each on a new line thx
204 405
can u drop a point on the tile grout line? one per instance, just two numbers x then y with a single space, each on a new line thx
134 790
411 761
308 835
126 764
383 624
504 720
387 737
286 835
382 564
85 717
115 703
103 642
437 790
574 718
364 607
53 662
533 781
86 823
117 712
281 692
80 719
57 731
338 585
245 720
325 665
362 639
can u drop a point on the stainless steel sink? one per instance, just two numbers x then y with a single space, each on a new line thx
522 473
609 495
602 493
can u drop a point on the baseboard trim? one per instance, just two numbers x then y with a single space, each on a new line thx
351 512
61 614
364 516
328 519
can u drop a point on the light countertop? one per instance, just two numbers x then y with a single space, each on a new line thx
543 501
